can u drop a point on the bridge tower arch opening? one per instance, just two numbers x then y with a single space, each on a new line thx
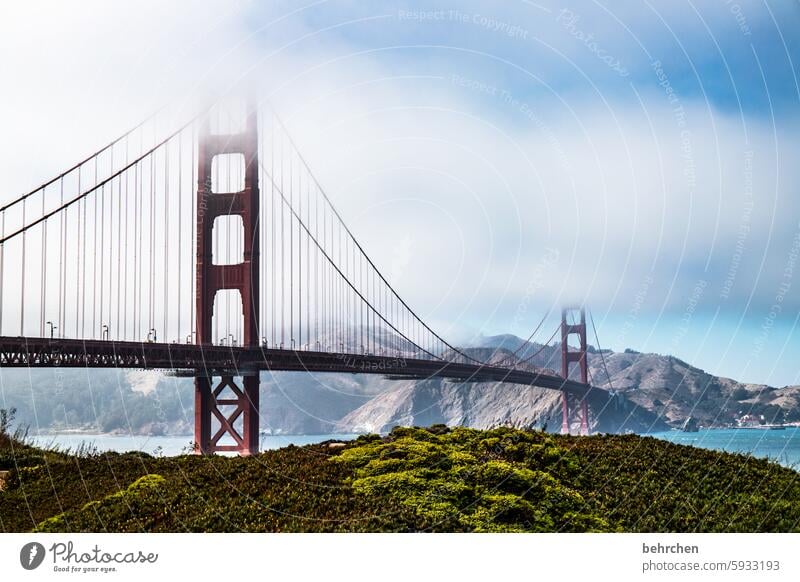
573 323
227 400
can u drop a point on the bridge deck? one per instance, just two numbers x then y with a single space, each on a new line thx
28 352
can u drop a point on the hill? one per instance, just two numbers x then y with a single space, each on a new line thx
668 386
489 404
436 479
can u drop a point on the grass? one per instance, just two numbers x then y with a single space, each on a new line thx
437 479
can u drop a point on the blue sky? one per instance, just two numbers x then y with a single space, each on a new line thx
598 73
497 160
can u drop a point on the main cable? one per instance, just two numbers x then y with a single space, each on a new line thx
600 351
360 248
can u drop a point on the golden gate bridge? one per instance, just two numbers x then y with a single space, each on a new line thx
210 249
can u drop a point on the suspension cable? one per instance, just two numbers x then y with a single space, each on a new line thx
530 337
83 195
96 154
338 270
540 350
360 248
600 350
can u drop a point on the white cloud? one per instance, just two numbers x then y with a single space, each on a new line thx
473 186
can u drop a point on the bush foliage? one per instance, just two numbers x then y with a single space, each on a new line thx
501 480
435 479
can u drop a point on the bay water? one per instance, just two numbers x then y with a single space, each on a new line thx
782 446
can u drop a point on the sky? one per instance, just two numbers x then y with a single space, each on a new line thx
496 160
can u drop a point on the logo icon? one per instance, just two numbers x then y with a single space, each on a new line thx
31 555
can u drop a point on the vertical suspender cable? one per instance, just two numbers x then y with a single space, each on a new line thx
94 256
283 259
81 276
82 262
299 263
107 320
61 259
308 267
22 292
2 268
43 279
291 254
166 242
152 246
319 290
180 230
274 274
122 252
137 251
324 278
193 225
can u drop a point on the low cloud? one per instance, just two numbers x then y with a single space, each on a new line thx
458 169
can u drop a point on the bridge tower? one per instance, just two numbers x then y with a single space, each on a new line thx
569 356
233 404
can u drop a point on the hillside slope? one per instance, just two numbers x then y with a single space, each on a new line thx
670 387
486 405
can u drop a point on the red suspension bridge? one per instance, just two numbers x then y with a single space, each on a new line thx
210 249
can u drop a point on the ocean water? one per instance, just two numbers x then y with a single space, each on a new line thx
167 445
782 446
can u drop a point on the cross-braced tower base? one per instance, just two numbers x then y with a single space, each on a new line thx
226 416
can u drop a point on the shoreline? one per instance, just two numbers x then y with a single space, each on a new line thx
77 432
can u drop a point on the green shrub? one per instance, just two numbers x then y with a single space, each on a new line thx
411 480
472 480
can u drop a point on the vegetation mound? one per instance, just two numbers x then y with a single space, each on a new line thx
501 480
435 479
